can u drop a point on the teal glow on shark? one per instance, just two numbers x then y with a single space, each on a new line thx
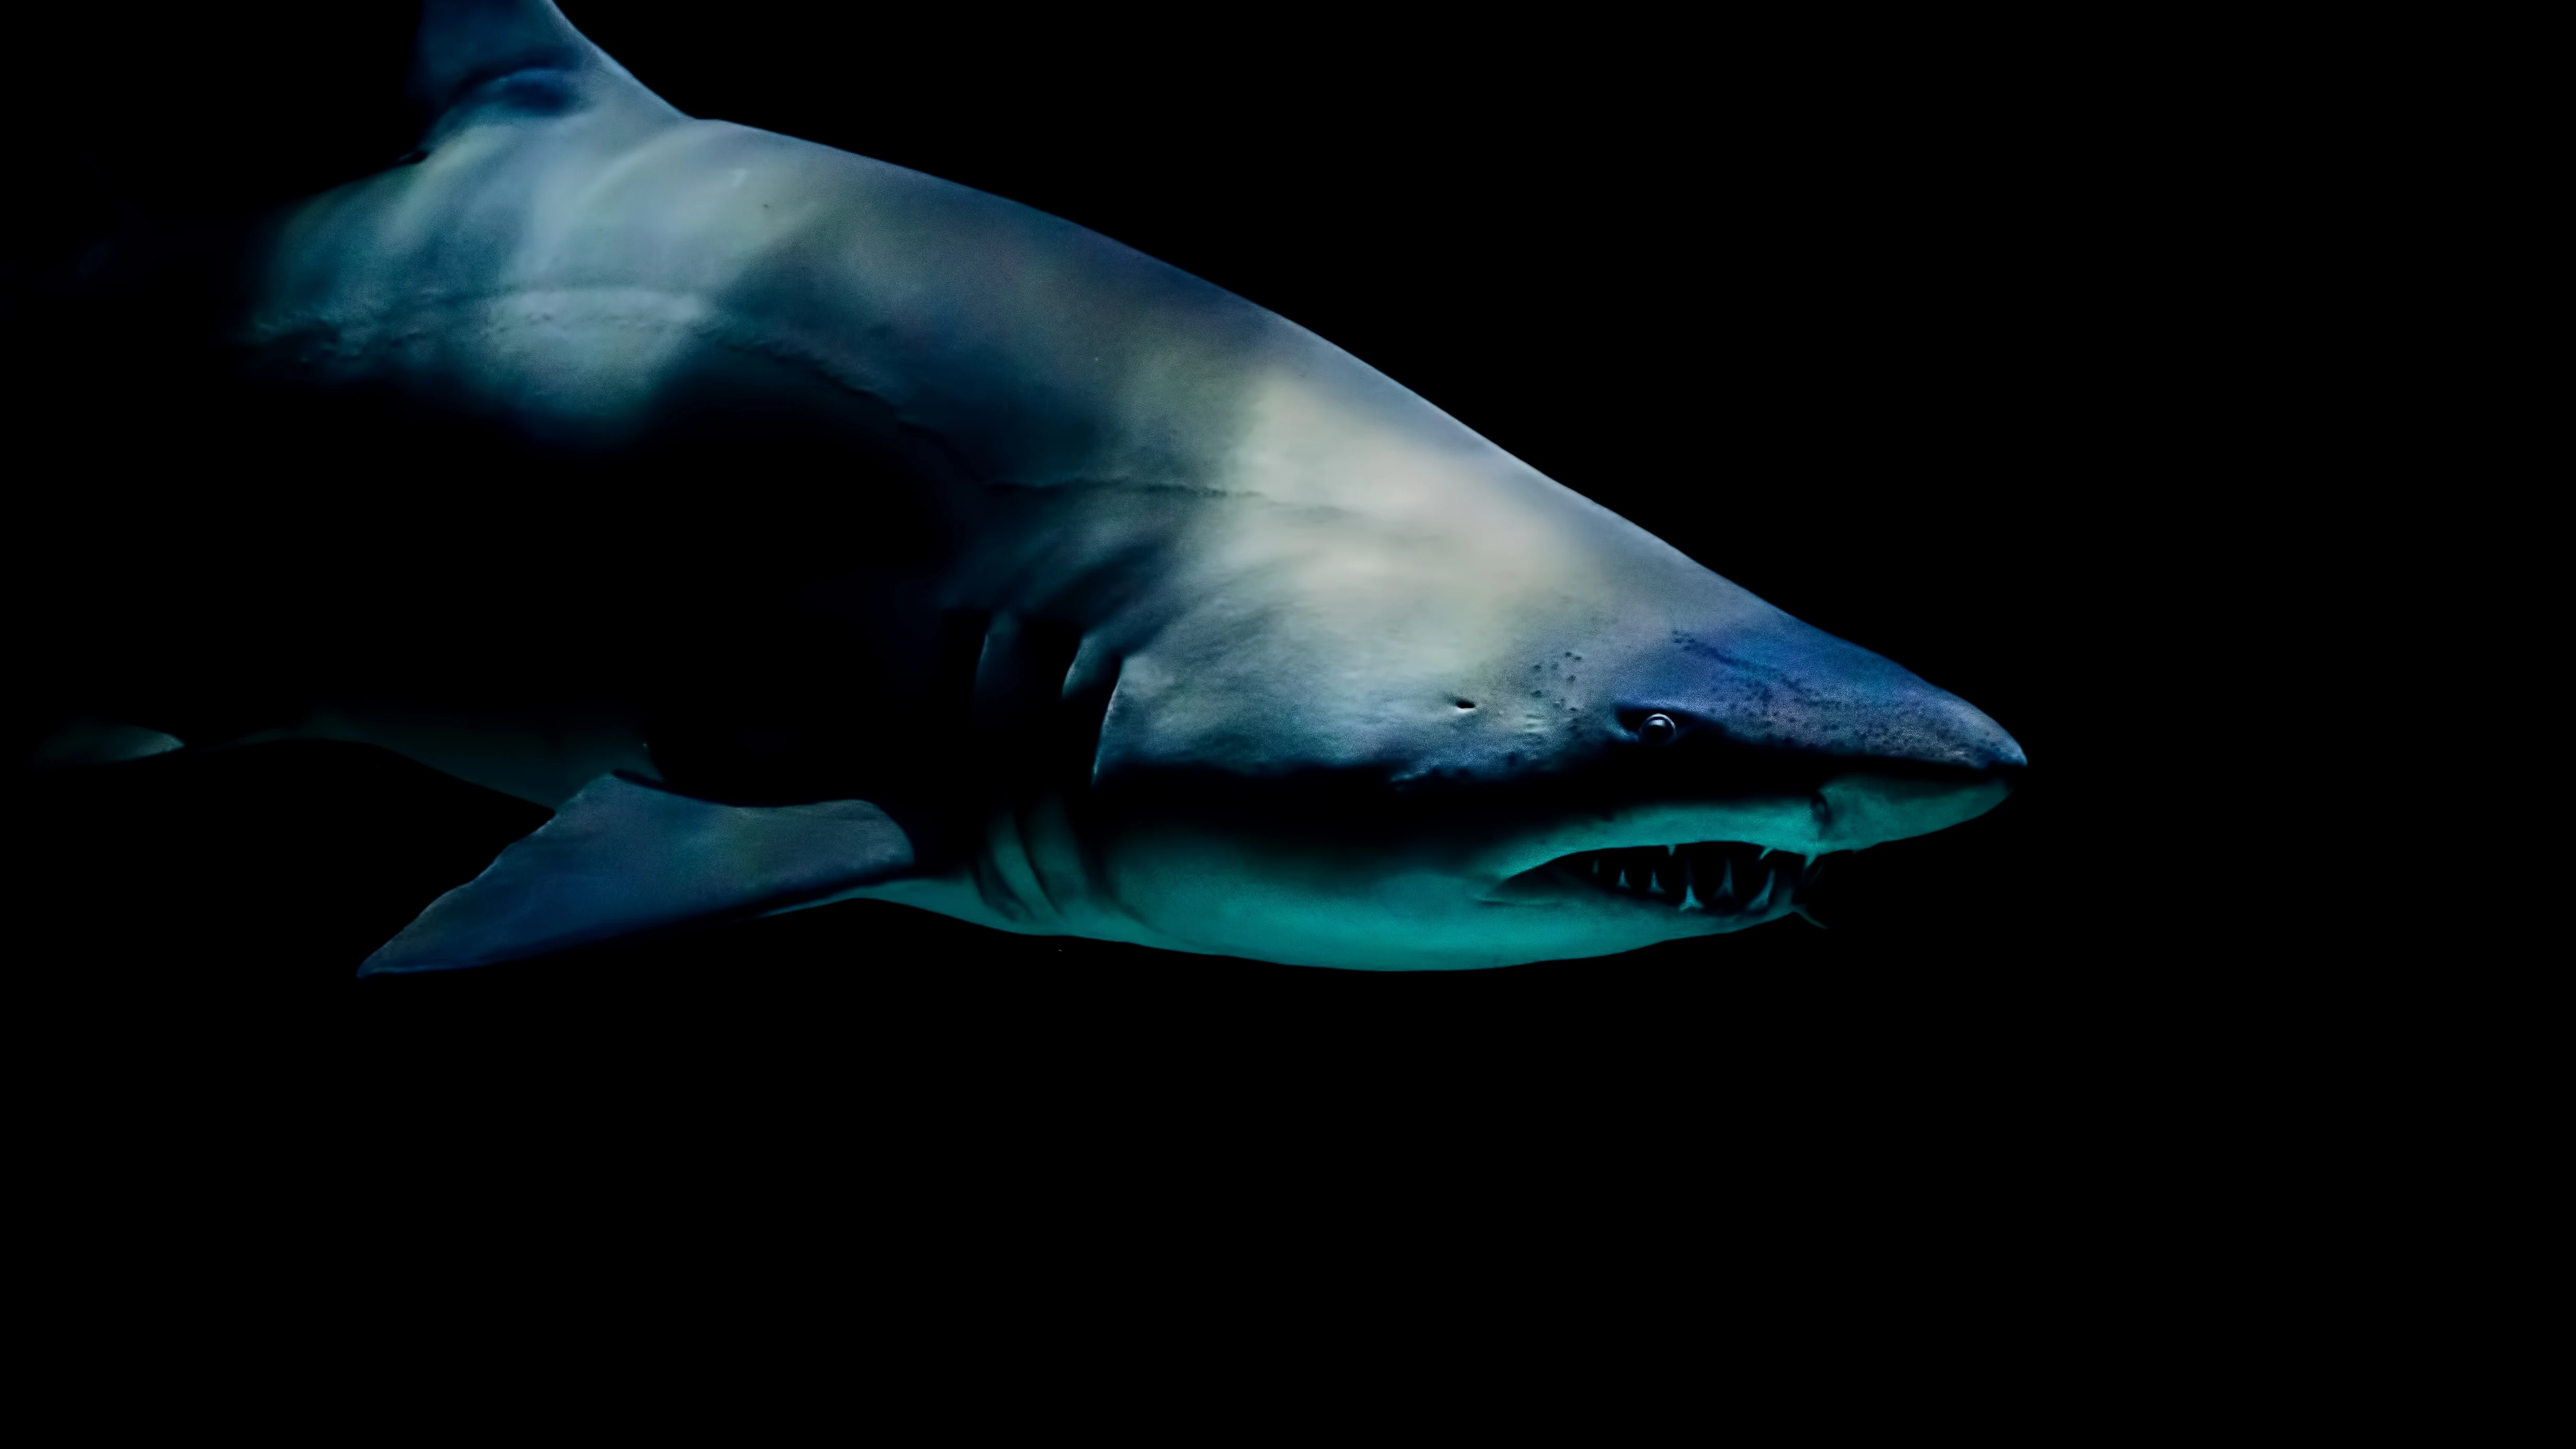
1012 574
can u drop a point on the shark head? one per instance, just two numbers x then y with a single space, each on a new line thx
1427 708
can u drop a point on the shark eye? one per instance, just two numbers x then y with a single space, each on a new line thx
1658 729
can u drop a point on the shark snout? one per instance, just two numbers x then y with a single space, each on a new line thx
1871 806
1788 737
1908 757
1939 728
1776 684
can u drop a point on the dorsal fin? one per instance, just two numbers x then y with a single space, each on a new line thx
474 57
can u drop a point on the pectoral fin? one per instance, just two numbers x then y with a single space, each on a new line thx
623 857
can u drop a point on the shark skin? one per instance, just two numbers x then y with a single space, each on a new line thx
1133 611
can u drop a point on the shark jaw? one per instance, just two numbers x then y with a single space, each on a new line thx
1698 868
1717 885
1414 891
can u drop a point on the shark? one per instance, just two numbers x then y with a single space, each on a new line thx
798 528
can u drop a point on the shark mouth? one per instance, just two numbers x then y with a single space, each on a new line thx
1718 878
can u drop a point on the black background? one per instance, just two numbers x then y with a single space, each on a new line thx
1874 323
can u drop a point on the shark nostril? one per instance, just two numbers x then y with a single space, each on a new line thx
1466 704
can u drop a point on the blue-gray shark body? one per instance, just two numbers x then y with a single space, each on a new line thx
1078 595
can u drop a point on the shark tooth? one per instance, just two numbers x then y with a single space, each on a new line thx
1762 900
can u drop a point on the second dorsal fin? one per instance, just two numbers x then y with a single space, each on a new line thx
474 57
